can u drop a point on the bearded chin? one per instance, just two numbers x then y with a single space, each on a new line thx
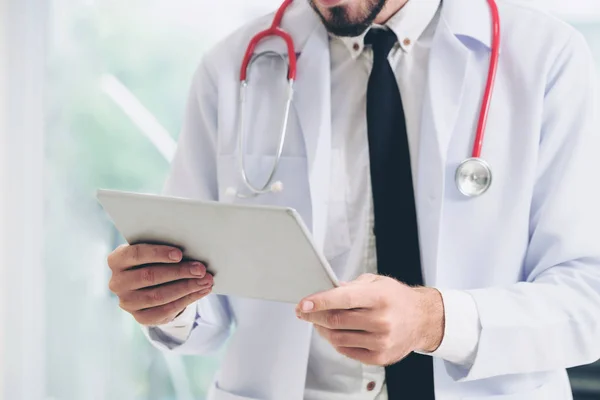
340 21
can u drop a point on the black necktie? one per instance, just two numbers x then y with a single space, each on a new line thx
396 232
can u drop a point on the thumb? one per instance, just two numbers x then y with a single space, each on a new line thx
365 278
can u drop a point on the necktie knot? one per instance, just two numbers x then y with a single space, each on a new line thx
381 40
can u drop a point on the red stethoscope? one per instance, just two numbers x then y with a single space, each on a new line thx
473 176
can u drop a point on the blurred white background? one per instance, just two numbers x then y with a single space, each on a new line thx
91 96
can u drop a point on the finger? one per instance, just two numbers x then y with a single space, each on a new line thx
359 319
342 298
357 339
366 278
164 294
163 314
125 257
365 356
153 275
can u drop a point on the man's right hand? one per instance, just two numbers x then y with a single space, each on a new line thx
153 284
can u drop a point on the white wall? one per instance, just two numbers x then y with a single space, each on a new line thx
22 73
579 11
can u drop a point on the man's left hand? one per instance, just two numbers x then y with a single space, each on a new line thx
377 320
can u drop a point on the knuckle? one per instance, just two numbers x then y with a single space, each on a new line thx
113 285
110 260
333 319
124 304
115 255
136 253
382 300
155 296
385 326
148 276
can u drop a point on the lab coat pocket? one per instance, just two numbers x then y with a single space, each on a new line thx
544 392
291 172
216 393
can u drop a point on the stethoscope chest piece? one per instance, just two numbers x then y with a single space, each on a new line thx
473 177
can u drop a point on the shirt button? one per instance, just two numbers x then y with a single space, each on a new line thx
407 42
356 46
371 386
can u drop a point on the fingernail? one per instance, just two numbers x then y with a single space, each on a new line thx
203 283
175 255
197 270
308 305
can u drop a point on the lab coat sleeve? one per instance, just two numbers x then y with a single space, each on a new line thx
205 325
461 329
178 330
551 321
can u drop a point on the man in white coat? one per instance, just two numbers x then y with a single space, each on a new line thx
447 297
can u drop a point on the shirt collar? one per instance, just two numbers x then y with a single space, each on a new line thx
408 24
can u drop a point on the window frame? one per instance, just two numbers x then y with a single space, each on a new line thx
22 116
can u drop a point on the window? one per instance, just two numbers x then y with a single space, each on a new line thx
117 77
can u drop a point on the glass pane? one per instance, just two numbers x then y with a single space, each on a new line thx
118 77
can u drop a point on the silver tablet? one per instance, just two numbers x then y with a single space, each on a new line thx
259 252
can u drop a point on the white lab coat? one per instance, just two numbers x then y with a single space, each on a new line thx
528 251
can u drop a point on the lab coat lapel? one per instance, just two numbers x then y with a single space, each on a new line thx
312 106
311 103
447 78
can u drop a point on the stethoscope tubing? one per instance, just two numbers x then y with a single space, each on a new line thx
482 182
491 80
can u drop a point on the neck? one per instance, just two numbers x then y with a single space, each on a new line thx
391 7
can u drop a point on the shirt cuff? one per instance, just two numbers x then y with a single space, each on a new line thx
180 328
462 329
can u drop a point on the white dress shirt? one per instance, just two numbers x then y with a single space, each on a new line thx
332 376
